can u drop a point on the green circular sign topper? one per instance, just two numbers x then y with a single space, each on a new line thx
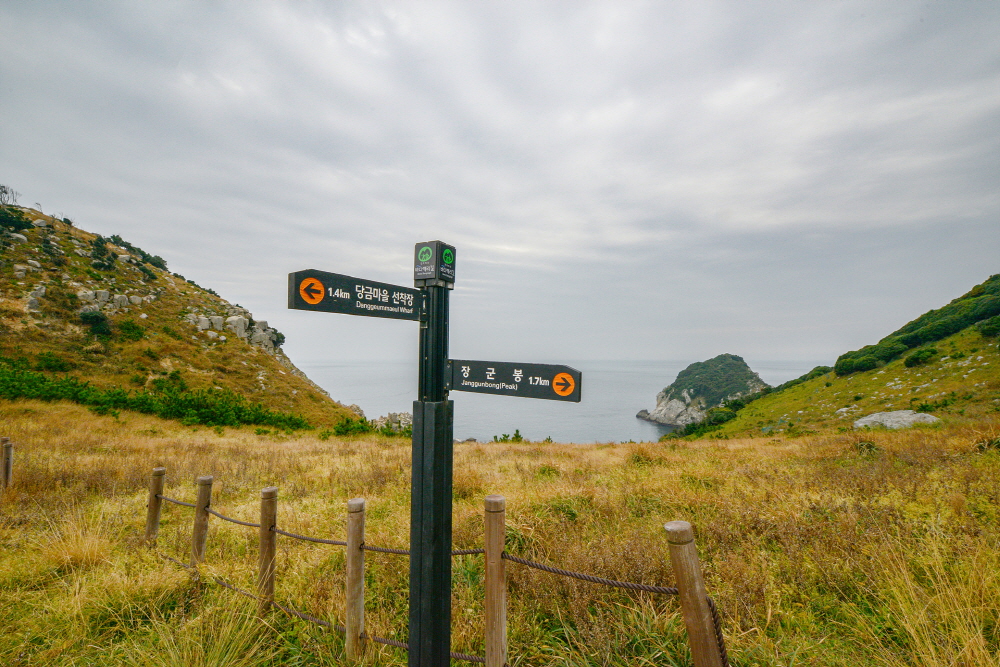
448 256
425 254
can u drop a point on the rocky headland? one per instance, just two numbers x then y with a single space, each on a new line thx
702 386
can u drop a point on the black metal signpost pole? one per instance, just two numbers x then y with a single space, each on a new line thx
430 499
433 417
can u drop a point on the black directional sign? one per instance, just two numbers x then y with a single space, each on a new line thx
550 381
334 293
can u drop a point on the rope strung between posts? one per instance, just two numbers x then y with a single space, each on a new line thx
718 632
326 624
591 578
304 538
175 502
666 590
230 519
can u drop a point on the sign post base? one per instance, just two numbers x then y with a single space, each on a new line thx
430 534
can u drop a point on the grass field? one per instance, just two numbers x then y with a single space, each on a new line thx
875 548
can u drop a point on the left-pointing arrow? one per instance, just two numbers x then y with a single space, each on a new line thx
311 290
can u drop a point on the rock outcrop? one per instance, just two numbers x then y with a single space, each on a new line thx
702 386
895 419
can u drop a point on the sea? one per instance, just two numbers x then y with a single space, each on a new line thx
612 393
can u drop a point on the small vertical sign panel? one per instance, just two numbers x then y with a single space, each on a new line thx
433 263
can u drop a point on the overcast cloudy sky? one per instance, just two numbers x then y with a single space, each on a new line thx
623 180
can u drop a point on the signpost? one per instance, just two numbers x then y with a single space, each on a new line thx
549 381
433 417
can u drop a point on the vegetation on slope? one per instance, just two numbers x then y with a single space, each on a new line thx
980 304
959 382
716 379
840 549
137 352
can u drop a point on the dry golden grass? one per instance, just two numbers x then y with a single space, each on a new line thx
819 550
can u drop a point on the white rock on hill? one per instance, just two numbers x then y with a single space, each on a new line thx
676 411
896 419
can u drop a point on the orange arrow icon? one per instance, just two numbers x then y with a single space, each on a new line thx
563 384
312 291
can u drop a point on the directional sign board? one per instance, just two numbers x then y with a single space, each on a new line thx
549 381
334 293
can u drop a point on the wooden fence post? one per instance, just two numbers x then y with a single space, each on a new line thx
154 504
355 593
8 464
694 599
200 533
496 583
268 547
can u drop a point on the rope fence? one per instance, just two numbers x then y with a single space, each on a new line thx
700 615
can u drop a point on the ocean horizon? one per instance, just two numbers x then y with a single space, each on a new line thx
612 393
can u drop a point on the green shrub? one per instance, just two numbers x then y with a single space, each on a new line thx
211 407
990 328
98 323
920 357
350 426
47 361
129 330
13 220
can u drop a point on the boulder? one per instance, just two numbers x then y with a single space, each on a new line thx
33 264
32 304
238 325
119 301
217 322
38 222
21 238
102 295
86 295
203 323
895 419
38 292
135 300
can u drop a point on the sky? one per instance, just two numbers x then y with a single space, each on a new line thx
622 180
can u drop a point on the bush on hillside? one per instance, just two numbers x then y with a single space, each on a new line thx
129 330
13 220
98 323
920 357
990 328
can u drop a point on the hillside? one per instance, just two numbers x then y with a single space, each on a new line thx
952 374
77 305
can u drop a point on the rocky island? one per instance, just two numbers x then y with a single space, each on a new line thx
701 386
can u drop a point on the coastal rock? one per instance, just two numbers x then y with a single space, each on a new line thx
397 421
896 419
702 386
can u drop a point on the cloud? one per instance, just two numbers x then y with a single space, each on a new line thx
646 179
